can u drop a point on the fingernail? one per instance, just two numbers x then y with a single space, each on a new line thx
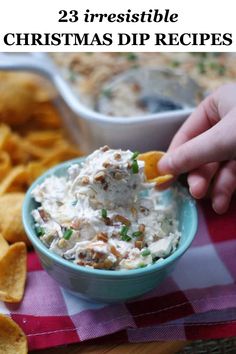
194 183
165 164
220 204
195 187
191 191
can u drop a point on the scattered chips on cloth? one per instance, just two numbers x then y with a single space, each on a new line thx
12 338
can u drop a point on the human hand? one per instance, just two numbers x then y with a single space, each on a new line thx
205 147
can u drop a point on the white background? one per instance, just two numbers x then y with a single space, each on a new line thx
42 17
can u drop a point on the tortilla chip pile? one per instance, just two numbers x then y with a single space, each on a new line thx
32 140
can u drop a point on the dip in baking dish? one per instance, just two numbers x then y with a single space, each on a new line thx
103 214
89 73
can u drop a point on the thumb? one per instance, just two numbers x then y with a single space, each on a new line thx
210 146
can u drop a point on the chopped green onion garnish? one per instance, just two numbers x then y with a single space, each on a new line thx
213 65
201 67
72 76
175 63
132 56
74 202
124 230
135 167
137 234
104 213
126 238
145 253
221 70
135 155
107 93
142 265
39 231
135 65
67 234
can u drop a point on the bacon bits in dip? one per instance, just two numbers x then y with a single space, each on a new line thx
104 215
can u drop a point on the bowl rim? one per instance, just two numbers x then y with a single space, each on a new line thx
40 247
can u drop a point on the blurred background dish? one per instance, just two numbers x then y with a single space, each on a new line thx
145 91
89 72
98 107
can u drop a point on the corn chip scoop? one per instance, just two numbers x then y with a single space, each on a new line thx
11 226
153 175
12 338
13 273
3 246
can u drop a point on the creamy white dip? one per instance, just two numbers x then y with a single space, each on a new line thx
103 214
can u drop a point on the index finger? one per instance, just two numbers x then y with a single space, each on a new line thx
202 119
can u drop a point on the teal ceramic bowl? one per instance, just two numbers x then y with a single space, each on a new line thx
107 285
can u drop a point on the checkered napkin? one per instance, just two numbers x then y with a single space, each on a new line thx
197 301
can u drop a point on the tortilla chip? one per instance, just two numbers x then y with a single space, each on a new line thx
14 181
20 93
11 225
151 171
5 164
60 153
5 133
34 150
34 170
16 102
46 115
45 139
23 150
3 246
13 273
13 147
12 338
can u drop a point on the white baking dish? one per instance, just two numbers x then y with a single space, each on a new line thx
92 129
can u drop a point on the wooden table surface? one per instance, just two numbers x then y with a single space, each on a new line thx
124 348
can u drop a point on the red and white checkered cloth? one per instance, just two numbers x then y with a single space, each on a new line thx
198 301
